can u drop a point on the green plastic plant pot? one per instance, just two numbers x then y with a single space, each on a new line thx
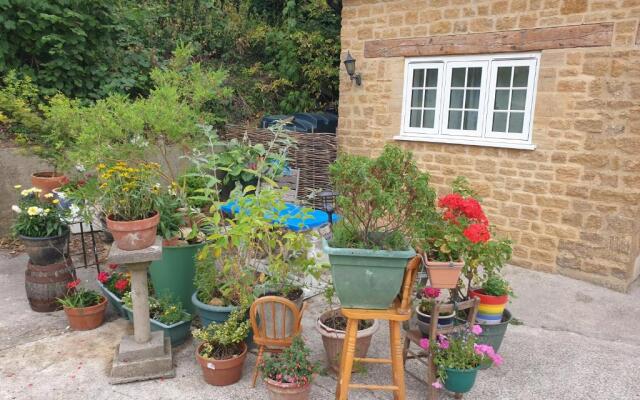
173 275
460 380
177 333
364 278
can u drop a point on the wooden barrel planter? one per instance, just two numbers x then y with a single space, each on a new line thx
46 283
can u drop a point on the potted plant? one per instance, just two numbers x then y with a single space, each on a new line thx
166 315
429 297
332 325
288 375
128 197
494 296
115 285
380 201
174 273
84 308
223 350
458 357
41 226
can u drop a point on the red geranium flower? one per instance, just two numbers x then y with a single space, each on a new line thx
430 292
113 266
451 201
477 233
103 277
473 210
73 284
121 285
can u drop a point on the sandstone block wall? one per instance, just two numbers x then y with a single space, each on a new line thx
572 205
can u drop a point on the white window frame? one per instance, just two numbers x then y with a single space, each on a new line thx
408 87
483 136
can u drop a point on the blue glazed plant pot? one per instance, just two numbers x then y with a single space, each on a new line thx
115 302
178 332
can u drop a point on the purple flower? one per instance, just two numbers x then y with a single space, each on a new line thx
424 343
476 329
437 384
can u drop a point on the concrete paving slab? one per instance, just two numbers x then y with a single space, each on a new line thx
577 341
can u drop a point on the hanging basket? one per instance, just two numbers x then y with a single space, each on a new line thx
443 275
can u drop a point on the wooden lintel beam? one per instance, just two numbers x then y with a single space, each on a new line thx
590 35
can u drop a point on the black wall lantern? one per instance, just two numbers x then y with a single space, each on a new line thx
350 65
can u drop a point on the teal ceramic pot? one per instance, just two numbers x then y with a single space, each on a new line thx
493 334
178 332
460 380
364 278
209 314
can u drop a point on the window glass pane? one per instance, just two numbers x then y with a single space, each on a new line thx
473 99
457 77
470 120
418 77
502 100
428 118
474 77
416 97
455 119
518 97
499 122
520 76
414 119
516 121
457 96
430 98
504 77
432 78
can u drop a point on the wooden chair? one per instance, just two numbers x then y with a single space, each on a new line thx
275 321
414 336
399 312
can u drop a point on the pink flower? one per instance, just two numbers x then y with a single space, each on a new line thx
424 343
476 329
437 384
443 342
430 292
497 359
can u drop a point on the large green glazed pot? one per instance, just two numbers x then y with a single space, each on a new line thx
365 278
175 272
460 380
209 314
492 334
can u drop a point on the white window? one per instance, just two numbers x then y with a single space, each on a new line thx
484 100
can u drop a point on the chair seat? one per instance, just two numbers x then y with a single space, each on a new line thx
292 216
390 314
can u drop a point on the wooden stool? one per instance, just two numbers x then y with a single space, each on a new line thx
414 336
275 321
399 312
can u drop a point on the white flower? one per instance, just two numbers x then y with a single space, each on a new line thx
48 195
80 168
16 209
33 211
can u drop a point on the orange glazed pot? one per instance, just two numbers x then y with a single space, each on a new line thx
443 274
134 235
86 318
222 372
47 181
287 391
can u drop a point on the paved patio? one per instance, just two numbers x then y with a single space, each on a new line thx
578 341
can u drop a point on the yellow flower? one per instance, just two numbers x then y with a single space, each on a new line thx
32 211
48 195
101 166
17 186
55 201
46 211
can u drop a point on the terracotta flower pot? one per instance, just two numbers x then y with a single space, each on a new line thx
287 391
47 181
134 235
491 307
222 372
444 274
86 318
333 339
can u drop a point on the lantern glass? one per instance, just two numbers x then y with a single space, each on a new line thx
350 64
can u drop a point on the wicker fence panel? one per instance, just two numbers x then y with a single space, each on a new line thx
312 155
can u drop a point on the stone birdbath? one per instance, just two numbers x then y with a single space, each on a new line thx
145 354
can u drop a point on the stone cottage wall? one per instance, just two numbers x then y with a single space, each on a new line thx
572 205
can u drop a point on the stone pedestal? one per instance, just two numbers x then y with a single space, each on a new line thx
146 354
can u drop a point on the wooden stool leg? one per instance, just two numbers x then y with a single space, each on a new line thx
258 360
397 357
346 362
432 393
